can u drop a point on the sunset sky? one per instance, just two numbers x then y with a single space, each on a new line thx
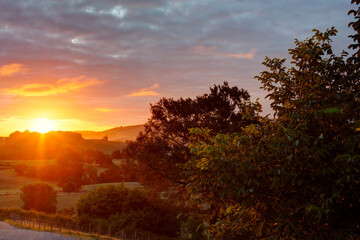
93 65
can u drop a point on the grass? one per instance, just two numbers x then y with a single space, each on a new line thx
11 201
11 184
65 200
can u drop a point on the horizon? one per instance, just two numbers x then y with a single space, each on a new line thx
98 65
60 130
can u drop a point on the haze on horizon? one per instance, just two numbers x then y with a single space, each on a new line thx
94 65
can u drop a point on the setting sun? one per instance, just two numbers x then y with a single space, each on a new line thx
43 125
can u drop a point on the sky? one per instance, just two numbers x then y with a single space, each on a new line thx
94 65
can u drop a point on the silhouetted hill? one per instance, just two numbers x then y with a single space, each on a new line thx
115 134
33 145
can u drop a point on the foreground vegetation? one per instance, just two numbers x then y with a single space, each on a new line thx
111 208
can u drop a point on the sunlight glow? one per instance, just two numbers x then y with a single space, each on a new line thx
43 125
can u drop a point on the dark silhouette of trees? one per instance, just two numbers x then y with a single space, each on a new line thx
295 176
71 169
39 197
111 175
70 186
162 148
97 157
125 172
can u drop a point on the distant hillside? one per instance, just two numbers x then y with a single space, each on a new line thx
32 145
115 134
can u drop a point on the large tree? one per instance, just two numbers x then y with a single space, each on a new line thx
162 148
295 176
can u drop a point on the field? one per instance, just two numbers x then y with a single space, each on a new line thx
11 184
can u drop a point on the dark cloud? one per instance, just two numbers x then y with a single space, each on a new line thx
134 44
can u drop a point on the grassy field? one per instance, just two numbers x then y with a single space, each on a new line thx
11 184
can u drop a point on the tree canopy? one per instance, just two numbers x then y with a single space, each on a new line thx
40 197
162 148
295 176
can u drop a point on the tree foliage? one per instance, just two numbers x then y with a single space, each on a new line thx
162 148
295 176
40 197
130 209
71 170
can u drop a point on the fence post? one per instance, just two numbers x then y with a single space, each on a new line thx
109 231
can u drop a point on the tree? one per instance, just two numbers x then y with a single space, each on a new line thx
295 176
98 157
111 175
162 148
71 168
90 175
70 187
130 209
39 197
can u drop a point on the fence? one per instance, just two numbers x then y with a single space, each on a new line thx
74 228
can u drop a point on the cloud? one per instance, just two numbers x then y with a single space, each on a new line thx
61 86
106 110
213 51
145 91
203 50
11 69
186 46
250 55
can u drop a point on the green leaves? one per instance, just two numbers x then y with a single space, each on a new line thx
295 176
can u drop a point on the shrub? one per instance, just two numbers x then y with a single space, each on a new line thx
70 187
130 210
40 197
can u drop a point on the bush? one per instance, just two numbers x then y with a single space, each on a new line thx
40 197
132 210
70 187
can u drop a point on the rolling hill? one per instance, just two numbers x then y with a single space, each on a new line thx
32 145
115 134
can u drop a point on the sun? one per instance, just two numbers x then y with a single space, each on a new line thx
43 125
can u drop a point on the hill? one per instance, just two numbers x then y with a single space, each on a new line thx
115 134
32 145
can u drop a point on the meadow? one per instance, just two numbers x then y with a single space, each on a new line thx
11 184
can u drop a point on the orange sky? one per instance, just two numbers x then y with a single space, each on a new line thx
94 65
66 102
